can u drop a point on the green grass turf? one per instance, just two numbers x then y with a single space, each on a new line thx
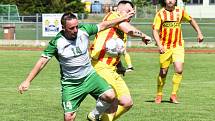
42 101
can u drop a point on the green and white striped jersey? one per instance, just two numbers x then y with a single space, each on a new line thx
73 55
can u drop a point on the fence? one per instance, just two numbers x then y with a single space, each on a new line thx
31 32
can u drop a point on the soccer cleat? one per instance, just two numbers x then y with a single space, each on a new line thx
173 99
129 69
158 99
90 117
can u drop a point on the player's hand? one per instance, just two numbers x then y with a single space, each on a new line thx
147 39
200 38
161 49
128 16
23 86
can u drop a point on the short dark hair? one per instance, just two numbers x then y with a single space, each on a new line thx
125 2
163 3
67 16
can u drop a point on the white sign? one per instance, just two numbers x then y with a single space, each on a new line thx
6 31
51 24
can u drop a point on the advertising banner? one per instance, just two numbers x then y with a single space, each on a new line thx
51 24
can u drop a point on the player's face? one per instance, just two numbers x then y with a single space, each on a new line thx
170 3
71 29
128 8
125 8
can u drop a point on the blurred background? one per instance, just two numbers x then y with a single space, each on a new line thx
24 22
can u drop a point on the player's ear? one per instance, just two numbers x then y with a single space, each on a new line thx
63 27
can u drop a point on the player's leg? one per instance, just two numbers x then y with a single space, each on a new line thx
70 116
123 95
105 72
178 62
102 92
165 61
124 99
176 80
72 96
125 103
128 62
103 103
112 77
161 80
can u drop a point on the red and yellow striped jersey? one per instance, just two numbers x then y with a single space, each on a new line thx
98 50
169 25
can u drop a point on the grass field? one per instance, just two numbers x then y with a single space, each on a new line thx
42 101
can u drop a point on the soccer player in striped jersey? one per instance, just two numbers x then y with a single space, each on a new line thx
78 78
105 64
167 33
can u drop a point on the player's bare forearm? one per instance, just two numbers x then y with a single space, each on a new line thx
136 33
197 29
127 28
195 26
37 68
157 40
155 34
107 24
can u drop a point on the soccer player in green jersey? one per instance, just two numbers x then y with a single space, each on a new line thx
78 78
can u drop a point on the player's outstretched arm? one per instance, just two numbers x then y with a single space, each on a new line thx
37 68
196 27
107 24
134 32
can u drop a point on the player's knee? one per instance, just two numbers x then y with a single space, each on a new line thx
69 116
127 105
163 73
126 102
178 68
179 71
108 96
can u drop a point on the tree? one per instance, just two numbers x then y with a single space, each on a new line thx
140 3
29 7
75 6
186 1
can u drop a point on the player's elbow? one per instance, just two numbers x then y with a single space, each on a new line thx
102 26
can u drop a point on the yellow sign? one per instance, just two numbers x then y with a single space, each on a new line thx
88 7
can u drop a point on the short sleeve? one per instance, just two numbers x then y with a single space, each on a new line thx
186 16
157 22
90 29
51 49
